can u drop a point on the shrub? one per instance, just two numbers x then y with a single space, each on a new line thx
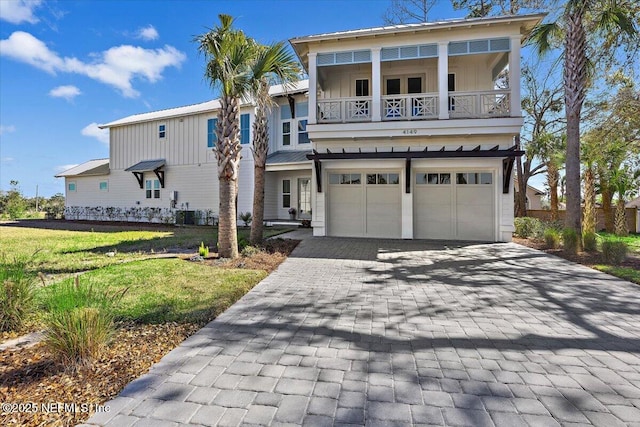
551 238
16 293
614 251
570 240
246 218
529 227
250 250
80 321
203 250
590 242
242 243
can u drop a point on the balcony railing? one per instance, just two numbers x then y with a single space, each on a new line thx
419 106
479 104
410 107
344 110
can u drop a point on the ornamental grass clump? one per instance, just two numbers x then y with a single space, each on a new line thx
203 250
614 251
551 238
570 241
80 322
590 241
16 293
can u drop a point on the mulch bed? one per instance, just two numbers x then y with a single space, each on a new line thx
585 258
30 376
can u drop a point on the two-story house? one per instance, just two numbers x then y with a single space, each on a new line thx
400 132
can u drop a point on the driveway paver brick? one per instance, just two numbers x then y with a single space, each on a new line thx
390 332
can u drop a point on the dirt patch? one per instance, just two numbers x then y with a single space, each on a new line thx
268 257
31 376
585 258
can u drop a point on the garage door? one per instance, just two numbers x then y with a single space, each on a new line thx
454 205
364 204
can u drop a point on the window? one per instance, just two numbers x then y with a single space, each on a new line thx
393 86
212 136
482 178
414 85
286 193
383 178
286 133
362 87
303 136
162 131
104 185
71 186
345 178
451 87
244 128
433 178
152 188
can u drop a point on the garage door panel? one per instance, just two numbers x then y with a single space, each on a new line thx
474 209
432 215
345 207
383 211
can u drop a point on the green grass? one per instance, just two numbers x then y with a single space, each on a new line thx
626 273
168 290
632 241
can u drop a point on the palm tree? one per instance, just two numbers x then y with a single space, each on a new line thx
604 18
273 63
229 53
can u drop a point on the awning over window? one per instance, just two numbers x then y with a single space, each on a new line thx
154 166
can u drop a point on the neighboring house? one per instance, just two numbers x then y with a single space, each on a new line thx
407 132
533 198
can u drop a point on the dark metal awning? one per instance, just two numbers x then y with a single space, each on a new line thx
508 155
154 166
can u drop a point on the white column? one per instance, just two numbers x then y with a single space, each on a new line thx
375 85
514 76
313 88
443 80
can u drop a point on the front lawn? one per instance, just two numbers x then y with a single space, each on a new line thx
168 298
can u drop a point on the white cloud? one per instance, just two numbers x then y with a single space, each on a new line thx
18 11
94 131
7 159
67 92
116 67
63 168
8 128
148 33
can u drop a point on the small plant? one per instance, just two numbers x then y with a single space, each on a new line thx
249 250
589 241
242 243
80 322
16 293
614 251
203 250
570 240
246 218
529 227
306 223
292 212
551 238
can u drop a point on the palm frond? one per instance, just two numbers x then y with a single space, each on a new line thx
544 37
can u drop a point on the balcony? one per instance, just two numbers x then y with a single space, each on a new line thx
420 106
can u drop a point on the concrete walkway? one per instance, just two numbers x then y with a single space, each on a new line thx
388 332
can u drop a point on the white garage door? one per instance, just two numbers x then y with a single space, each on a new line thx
454 205
364 204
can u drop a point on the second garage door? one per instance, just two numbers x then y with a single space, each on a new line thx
454 205
364 204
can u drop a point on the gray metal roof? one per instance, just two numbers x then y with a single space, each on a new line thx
90 168
146 166
288 156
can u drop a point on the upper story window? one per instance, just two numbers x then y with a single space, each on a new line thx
294 126
244 128
152 189
286 133
212 136
162 131
303 135
362 87
104 185
71 186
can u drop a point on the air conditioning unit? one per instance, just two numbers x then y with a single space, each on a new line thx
173 196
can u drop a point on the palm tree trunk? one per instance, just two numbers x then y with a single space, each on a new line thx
607 206
589 220
228 154
575 67
553 177
521 195
621 219
260 152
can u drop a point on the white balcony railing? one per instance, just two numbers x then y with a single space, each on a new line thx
420 106
479 104
344 110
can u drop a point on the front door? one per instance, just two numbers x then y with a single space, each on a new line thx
304 198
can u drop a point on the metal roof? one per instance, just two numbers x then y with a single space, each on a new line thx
146 166
90 168
204 107
288 156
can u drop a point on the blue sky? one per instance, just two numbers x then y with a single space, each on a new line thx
66 66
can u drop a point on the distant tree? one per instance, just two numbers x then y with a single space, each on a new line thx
408 11
582 25
480 8
12 203
551 150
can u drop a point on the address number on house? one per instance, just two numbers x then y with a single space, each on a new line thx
410 131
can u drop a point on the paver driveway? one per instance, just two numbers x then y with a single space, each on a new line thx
384 332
